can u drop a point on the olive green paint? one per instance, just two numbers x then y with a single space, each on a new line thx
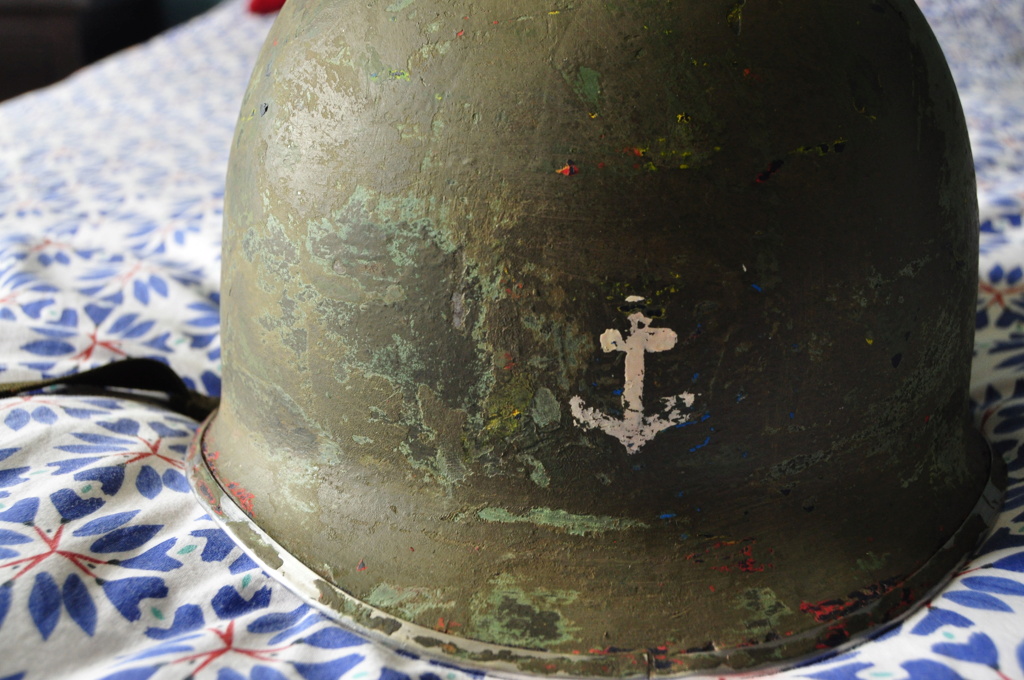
413 294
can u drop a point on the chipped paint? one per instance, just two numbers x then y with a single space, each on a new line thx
545 409
576 525
635 429
520 617
586 83
409 603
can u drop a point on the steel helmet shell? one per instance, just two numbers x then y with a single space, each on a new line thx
601 338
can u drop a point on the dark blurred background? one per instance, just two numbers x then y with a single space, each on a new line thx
42 41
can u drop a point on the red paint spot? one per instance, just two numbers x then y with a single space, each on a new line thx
772 168
460 34
443 626
830 610
568 169
601 165
361 566
711 588
243 497
412 549
927 419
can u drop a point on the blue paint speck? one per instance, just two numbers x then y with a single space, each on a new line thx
617 392
704 443
667 515
756 287
792 414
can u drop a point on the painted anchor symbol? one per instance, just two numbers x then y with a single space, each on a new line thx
635 429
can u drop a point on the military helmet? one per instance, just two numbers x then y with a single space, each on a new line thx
601 338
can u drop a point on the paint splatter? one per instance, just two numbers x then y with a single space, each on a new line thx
830 610
766 174
361 566
735 17
569 169
243 497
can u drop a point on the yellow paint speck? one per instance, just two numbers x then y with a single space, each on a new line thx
870 341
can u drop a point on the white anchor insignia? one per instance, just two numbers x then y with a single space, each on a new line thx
635 429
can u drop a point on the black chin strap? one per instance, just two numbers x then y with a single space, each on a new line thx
128 374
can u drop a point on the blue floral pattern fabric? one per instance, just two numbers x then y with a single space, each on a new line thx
111 191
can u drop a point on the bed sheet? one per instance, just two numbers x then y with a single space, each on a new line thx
111 190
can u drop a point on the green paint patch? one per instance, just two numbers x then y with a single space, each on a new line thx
586 83
538 474
544 408
187 549
87 488
768 611
391 74
157 614
409 603
510 615
871 561
577 525
246 580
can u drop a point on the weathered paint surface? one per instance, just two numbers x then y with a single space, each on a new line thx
443 231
